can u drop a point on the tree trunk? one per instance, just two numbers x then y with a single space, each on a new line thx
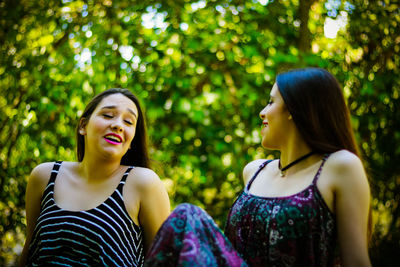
305 35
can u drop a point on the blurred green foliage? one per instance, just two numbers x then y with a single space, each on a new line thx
203 71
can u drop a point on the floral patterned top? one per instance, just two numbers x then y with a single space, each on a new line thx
296 230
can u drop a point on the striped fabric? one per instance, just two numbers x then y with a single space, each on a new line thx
103 236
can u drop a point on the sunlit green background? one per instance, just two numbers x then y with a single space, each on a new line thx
203 71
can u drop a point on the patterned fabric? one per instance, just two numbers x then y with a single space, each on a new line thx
297 230
103 236
189 237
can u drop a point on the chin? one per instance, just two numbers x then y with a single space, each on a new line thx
265 145
268 145
264 142
112 153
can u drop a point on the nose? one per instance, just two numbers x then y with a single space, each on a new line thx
117 125
262 113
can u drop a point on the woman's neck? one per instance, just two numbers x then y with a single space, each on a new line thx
95 169
294 149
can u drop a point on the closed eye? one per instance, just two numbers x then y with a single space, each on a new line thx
107 116
128 122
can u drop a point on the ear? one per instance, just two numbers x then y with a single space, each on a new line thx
82 126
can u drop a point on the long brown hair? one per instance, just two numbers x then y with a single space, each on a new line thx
315 100
138 154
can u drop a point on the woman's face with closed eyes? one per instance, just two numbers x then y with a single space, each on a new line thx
111 127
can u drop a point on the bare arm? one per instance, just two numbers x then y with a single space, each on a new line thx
36 184
352 198
154 205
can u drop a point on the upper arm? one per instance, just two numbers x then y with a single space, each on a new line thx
352 207
37 182
154 204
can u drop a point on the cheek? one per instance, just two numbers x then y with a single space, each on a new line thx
98 123
275 114
131 133
269 114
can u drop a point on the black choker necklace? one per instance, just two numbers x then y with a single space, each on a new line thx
282 170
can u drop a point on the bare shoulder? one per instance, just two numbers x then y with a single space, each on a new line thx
253 165
144 178
251 168
41 173
345 168
344 161
149 188
38 181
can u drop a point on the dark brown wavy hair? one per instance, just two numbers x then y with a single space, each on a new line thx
137 154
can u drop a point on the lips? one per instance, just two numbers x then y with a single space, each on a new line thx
113 138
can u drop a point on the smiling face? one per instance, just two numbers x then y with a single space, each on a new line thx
276 121
111 127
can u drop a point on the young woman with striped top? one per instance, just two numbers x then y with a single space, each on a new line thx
104 209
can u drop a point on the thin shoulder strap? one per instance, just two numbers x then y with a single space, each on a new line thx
54 171
48 192
256 173
326 156
123 179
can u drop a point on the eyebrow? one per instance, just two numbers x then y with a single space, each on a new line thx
114 107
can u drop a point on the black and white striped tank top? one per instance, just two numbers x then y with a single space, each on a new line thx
103 236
